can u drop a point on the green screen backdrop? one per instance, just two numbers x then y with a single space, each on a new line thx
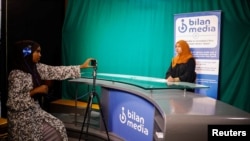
135 37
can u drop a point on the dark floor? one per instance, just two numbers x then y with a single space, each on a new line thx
73 123
74 128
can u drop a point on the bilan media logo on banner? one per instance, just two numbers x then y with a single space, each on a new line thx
131 117
202 32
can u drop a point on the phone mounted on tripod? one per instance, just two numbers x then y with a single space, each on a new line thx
93 63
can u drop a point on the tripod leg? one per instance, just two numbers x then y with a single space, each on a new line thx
102 116
87 112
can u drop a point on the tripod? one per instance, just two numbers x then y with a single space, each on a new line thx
92 95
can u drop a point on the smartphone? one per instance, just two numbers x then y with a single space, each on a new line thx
93 63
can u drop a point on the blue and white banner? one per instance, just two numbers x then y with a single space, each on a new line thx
202 31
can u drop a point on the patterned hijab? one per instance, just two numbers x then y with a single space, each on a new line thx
23 51
184 55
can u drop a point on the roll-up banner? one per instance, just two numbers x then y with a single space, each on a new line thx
202 31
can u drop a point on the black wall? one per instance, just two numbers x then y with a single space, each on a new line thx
39 20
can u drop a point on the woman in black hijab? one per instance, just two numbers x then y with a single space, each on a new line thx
26 119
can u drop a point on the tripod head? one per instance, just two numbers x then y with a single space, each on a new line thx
94 65
94 73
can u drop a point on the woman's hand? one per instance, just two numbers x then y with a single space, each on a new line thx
171 79
86 63
41 89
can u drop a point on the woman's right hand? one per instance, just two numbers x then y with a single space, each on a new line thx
86 63
170 79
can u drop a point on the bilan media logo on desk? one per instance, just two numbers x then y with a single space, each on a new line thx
131 117
132 120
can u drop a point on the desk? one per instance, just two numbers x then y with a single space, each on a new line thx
143 108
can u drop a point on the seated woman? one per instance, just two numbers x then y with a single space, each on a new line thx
182 67
27 121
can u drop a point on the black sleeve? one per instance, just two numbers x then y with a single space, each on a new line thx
168 73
